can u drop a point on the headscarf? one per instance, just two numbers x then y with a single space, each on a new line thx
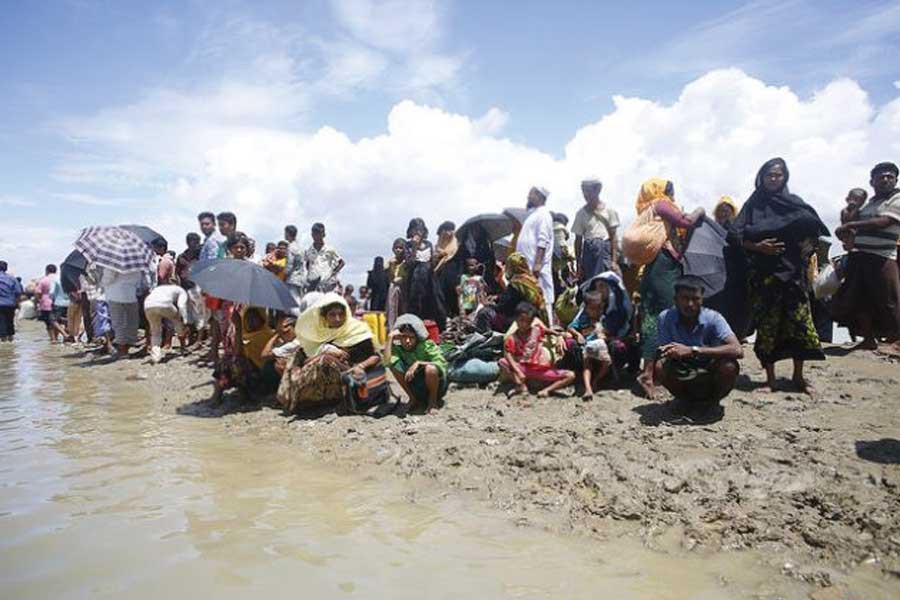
415 322
726 200
780 215
312 330
449 250
523 280
652 190
617 318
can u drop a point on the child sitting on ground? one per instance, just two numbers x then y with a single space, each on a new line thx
416 363
471 288
587 330
525 357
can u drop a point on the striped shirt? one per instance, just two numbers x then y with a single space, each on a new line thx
882 242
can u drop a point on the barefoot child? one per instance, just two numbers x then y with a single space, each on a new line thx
471 288
587 329
416 362
526 359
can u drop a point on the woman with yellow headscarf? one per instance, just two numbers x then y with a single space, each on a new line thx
338 365
657 286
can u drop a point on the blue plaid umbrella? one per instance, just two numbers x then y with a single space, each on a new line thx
114 248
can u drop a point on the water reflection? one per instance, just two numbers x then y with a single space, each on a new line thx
103 493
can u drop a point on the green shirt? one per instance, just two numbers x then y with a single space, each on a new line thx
425 351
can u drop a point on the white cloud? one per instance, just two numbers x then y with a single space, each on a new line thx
398 25
15 201
439 165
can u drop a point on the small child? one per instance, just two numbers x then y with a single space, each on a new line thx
471 287
526 359
587 329
855 200
419 254
416 363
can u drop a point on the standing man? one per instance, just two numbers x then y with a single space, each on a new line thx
596 246
43 293
869 299
10 294
698 353
536 243
323 263
183 265
296 265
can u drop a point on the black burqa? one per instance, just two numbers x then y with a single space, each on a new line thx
783 216
733 302
378 282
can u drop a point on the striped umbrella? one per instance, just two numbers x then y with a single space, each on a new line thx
114 248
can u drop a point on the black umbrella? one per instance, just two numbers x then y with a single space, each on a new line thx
704 256
494 225
242 281
144 232
74 266
518 214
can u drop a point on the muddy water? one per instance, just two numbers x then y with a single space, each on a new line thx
105 493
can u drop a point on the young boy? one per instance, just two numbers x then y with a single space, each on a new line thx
416 363
526 360
587 330
471 288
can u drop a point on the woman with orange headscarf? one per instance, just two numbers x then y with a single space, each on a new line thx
657 286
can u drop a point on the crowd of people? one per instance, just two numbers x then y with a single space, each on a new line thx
536 309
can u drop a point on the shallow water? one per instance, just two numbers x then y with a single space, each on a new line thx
105 494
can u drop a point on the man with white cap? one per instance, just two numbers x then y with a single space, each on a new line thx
596 248
536 243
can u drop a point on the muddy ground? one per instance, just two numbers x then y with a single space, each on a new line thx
812 484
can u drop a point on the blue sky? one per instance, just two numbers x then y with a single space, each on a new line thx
118 111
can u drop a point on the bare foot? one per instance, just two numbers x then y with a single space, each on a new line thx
768 388
646 384
587 396
802 385
516 391
543 394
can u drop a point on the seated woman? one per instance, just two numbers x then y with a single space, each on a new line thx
588 332
617 319
525 357
416 363
337 366
246 337
522 286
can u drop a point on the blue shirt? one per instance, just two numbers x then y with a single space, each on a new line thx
710 331
213 247
10 290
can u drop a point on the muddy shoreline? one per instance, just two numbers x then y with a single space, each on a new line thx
813 485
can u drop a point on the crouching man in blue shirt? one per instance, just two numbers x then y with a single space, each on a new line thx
697 357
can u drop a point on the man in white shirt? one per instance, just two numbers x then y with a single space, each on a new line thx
296 264
596 247
535 242
165 302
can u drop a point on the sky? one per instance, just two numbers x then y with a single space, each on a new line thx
365 114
